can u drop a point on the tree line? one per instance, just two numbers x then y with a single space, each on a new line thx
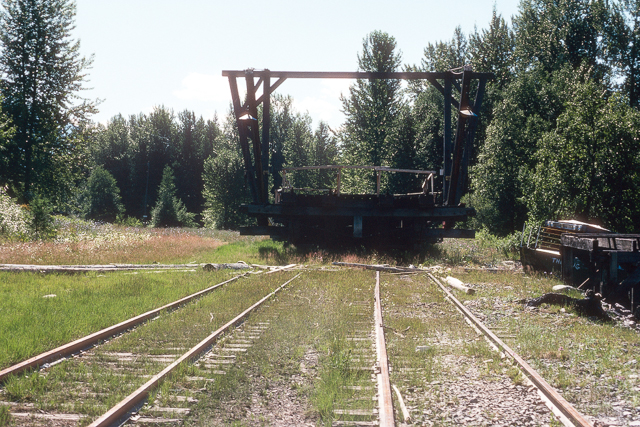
559 133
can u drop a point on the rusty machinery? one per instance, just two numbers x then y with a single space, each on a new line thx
330 216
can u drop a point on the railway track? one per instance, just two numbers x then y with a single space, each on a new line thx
324 341
111 379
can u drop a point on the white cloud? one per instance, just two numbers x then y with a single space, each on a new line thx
332 88
323 102
204 87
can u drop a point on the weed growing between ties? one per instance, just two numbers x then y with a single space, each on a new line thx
91 384
447 374
5 416
299 369
40 312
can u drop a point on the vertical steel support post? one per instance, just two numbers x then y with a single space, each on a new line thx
447 137
464 113
255 135
471 133
244 143
266 122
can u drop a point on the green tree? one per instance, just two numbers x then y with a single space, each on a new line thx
298 150
446 55
102 196
43 72
622 32
588 167
224 182
530 106
224 190
552 33
282 118
492 50
371 110
325 147
195 139
113 149
41 219
169 211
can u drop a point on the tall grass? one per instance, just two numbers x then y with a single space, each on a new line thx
38 313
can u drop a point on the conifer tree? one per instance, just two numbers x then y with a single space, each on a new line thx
169 210
372 107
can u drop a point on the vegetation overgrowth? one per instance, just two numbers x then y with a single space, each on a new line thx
76 241
38 312
90 389
577 355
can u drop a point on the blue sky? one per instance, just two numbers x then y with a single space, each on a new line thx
160 52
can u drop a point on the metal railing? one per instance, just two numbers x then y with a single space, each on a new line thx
427 186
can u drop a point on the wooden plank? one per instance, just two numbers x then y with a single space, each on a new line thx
435 213
405 412
377 267
51 417
457 284
272 89
581 243
385 400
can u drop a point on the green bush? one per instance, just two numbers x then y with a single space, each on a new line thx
224 191
508 246
128 221
41 224
169 210
14 220
101 198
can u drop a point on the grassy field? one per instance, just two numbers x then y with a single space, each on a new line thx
38 313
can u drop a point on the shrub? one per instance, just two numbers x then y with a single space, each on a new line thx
41 224
101 198
224 191
169 210
128 221
14 220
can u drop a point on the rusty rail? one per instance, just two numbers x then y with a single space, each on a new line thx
385 399
559 403
119 412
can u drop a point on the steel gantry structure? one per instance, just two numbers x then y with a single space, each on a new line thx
311 218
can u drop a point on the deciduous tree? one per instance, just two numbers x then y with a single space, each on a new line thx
42 75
